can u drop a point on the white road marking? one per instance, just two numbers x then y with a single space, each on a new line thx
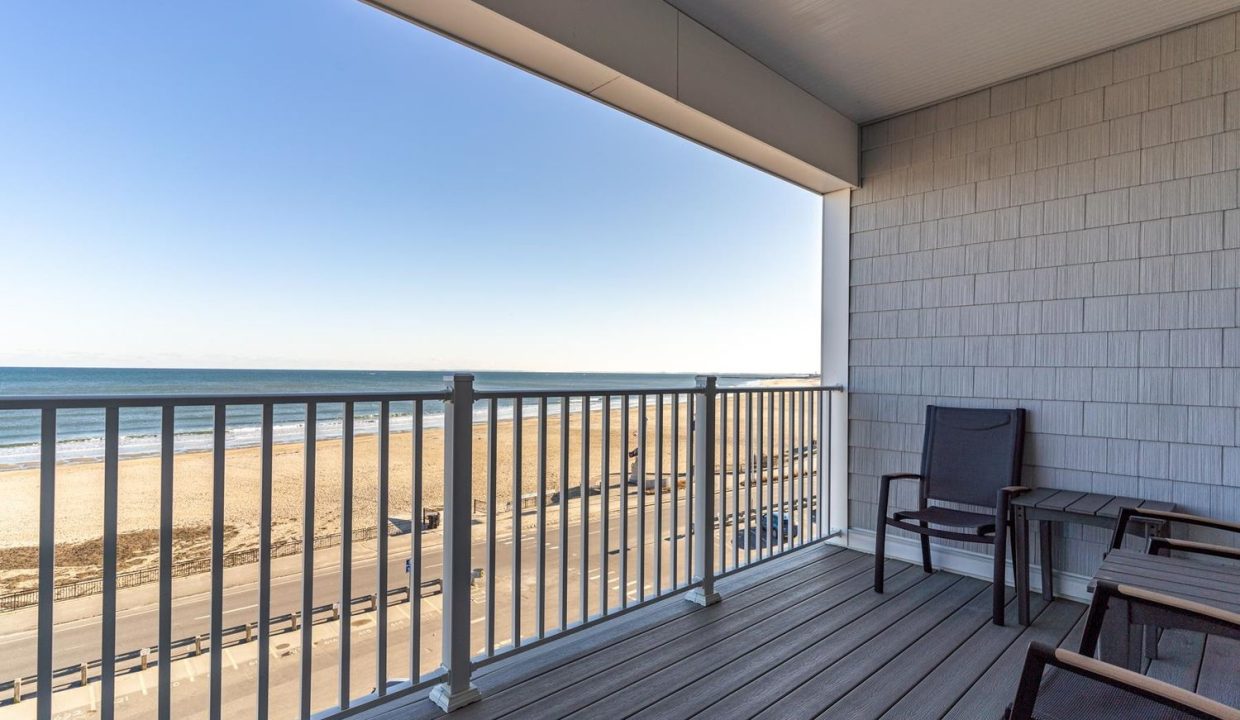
232 610
228 654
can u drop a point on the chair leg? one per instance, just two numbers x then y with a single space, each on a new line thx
1000 578
925 552
880 543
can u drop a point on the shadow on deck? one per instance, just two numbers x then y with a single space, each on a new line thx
802 636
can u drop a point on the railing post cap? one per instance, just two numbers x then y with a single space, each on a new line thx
458 377
707 381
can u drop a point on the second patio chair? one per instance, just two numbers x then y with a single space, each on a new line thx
1057 684
970 456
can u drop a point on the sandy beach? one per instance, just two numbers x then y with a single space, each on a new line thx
79 491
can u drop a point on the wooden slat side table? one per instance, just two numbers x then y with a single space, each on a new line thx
1045 506
1207 583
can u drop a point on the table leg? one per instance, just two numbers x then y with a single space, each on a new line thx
1119 643
1048 572
1020 564
1153 633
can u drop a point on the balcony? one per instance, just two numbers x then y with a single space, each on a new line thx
781 624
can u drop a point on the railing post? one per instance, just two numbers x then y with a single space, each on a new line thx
457 690
704 493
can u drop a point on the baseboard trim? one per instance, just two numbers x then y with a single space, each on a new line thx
965 562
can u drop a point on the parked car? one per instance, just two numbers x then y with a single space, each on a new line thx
771 528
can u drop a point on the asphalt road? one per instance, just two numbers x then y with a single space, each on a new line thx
136 691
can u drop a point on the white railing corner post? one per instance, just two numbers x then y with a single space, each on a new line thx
457 690
704 496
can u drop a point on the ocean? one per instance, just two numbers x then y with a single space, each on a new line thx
80 432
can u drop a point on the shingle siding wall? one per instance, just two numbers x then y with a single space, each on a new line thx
1068 243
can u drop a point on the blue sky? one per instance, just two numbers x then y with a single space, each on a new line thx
313 183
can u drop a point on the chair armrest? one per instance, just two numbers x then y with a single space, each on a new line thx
1163 693
1160 543
1007 493
1104 590
1003 501
901 476
1127 514
884 489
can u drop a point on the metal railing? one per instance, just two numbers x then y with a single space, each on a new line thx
593 502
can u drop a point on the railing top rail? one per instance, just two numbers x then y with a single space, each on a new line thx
778 388
500 394
59 402
620 392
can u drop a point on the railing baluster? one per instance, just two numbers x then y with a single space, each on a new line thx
307 566
806 467
641 499
107 669
824 470
167 436
703 510
563 495
816 464
415 549
219 453
675 473
457 690
690 481
624 505
784 511
658 495
492 447
750 535
541 589
346 555
761 532
381 542
584 550
518 506
793 495
735 476
47 560
772 493
604 507
721 506
264 565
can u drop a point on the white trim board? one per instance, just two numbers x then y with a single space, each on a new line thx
965 562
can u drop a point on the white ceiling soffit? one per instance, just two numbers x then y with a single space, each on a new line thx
870 59
646 58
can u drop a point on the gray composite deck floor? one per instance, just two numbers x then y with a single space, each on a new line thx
804 636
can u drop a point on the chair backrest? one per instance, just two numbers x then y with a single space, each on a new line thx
969 453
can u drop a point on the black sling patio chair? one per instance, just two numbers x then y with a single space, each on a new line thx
1058 684
970 456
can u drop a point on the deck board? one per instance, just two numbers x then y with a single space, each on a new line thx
625 686
569 680
993 689
804 635
901 672
951 611
687 699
